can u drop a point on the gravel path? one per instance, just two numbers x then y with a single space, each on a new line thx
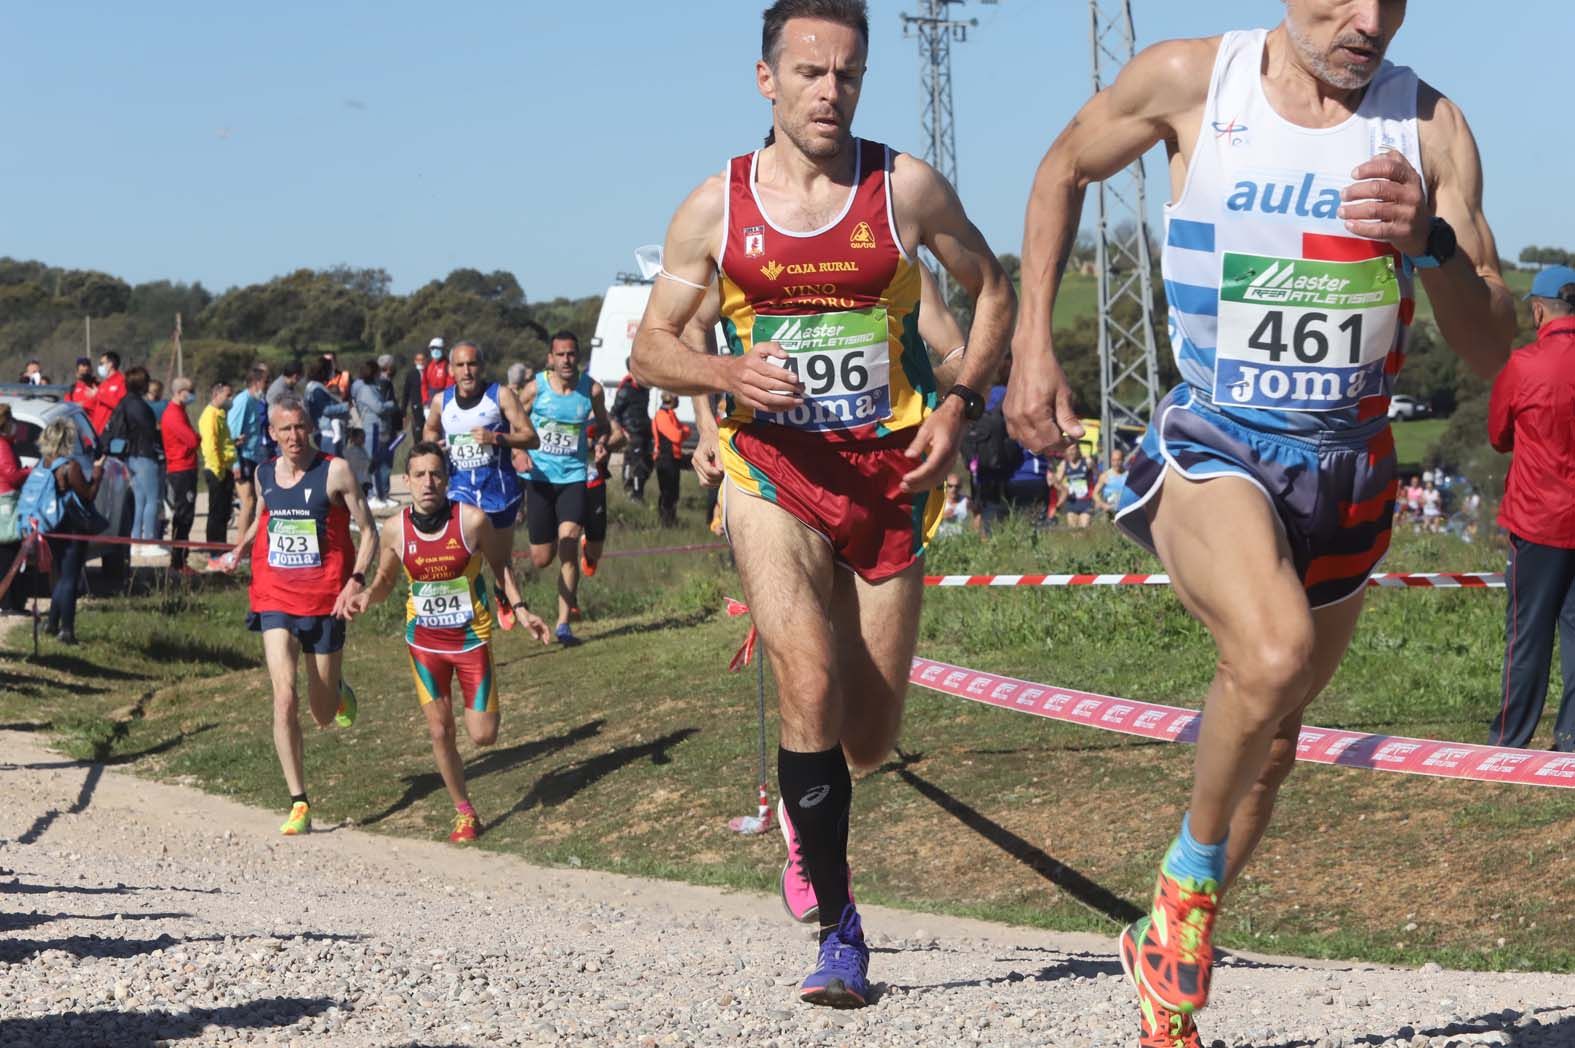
136 914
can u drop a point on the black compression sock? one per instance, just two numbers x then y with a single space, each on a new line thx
298 798
818 791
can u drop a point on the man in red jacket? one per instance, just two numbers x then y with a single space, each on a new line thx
111 390
85 391
180 466
1529 414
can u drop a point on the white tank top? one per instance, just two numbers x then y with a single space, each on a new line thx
1278 315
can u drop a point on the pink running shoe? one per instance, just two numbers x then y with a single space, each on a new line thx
798 895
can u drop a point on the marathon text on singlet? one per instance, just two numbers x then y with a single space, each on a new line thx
1302 335
468 453
293 543
443 604
558 438
843 361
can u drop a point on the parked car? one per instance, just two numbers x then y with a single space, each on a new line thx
1408 409
33 408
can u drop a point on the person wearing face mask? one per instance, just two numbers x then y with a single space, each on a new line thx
84 389
180 466
111 390
220 468
436 378
1529 414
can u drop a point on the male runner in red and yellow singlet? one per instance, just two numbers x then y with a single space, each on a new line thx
836 436
440 543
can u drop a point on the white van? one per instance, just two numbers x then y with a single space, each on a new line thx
622 307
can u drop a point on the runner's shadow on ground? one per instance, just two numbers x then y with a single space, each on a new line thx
672 622
1081 888
1553 1035
561 784
15 951
168 649
80 667
1071 966
21 922
419 787
148 1028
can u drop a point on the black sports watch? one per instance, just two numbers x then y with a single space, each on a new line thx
1441 245
973 403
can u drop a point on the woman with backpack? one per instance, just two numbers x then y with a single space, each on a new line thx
55 448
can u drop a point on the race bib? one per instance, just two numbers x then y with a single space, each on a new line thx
1077 487
465 452
559 438
293 544
446 603
843 360
1302 335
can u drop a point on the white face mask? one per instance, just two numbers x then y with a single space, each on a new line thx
437 354
103 371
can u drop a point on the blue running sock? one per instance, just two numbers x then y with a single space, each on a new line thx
1190 859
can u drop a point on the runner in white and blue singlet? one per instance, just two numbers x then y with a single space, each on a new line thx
479 425
563 403
1310 181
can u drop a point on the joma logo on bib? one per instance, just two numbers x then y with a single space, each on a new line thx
844 362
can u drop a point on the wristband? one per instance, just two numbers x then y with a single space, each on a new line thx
959 351
359 578
521 604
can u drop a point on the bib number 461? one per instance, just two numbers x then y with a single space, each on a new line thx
1310 338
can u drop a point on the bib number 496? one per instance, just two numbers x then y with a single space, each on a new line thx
822 372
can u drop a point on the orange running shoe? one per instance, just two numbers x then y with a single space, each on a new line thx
587 565
1175 954
505 613
466 828
1161 1027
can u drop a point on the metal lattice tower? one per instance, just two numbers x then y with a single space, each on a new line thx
1128 363
936 29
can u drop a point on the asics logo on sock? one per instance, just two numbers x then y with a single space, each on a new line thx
814 796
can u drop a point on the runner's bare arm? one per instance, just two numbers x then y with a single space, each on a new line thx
478 531
700 336
432 429
521 433
387 567
246 527
940 331
926 204
616 437
1144 106
527 401
343 487
660 358
1473 307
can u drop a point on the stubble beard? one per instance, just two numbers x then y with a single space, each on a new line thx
1322 67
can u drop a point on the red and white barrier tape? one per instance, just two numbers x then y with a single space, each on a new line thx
1348 749
1149 720
1385 580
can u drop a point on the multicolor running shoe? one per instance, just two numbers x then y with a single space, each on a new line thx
505 613
841 975
466 827
1161 1027
798 895
587 565
300 820
345 715
566 636
1175 953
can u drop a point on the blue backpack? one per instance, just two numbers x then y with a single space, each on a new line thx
41 505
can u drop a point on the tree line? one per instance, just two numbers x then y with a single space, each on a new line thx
46 311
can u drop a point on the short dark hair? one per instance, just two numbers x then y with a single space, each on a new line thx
565 335
214 389
114 358
318 371
137 381
292 369
427 447
854 14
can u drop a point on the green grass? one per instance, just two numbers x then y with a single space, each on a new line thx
631 752
1413 440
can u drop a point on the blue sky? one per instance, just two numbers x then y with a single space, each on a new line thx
209 142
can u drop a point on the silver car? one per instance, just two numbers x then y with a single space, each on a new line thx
33 408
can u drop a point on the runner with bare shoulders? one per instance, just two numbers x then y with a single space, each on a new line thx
1311 182
835 439
298 539
479 423
440 542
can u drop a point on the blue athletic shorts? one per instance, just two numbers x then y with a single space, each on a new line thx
318 634
504 518
1333 492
